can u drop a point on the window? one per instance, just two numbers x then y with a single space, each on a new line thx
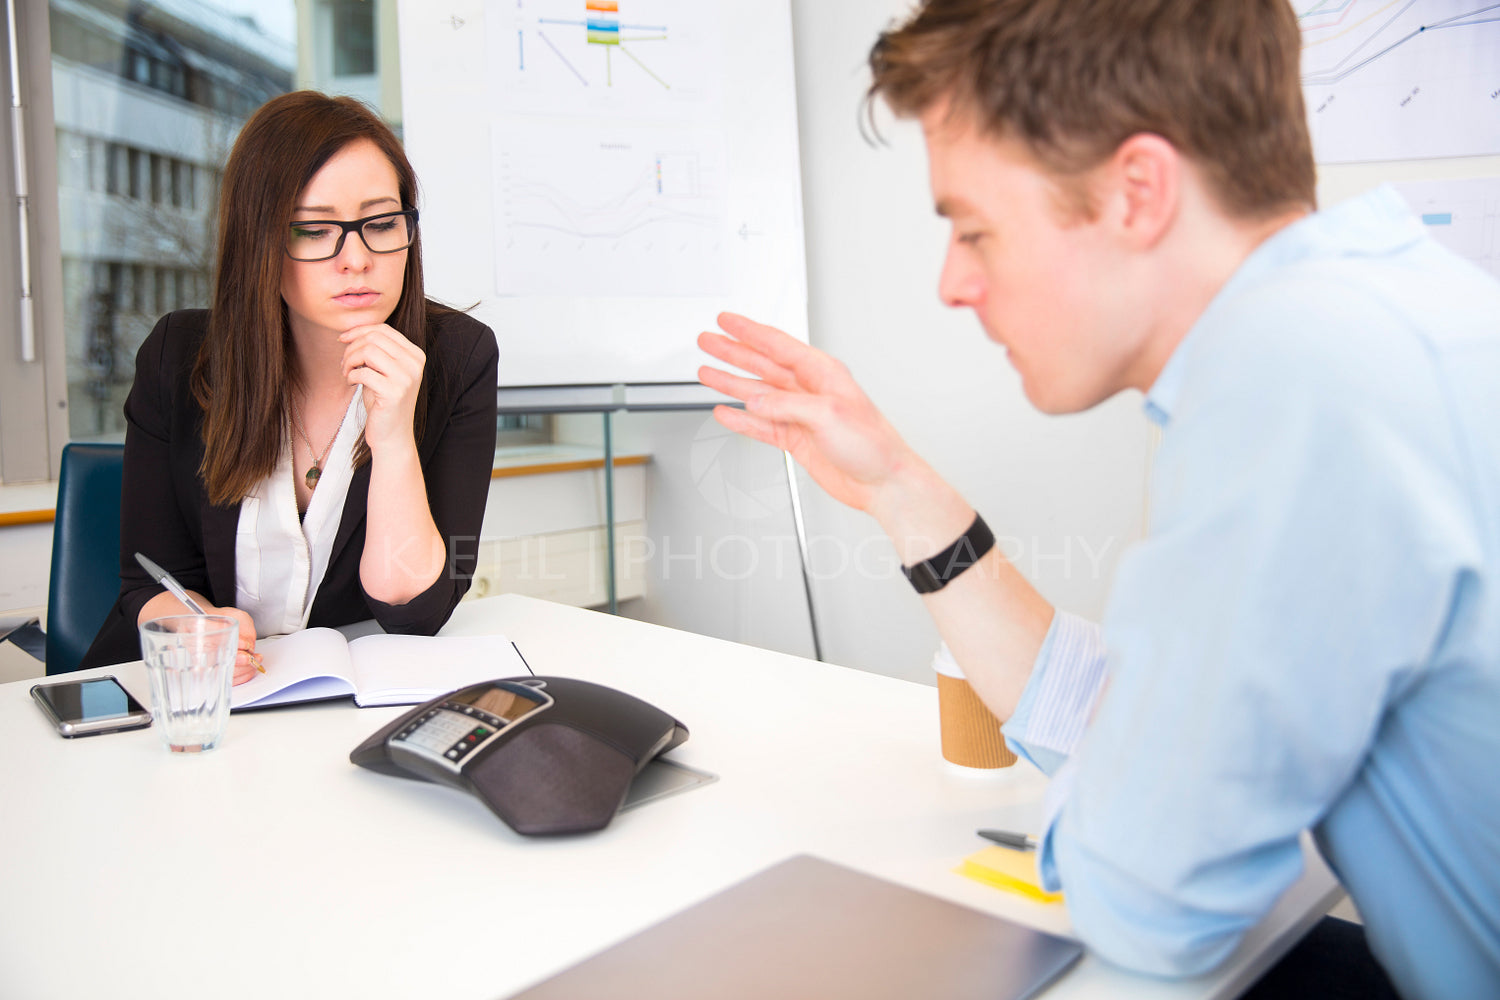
72 161
145 98
182 185
162 285
117 177
139 163
353 37
159 167
140 299
523 428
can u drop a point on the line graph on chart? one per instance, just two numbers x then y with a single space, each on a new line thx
610 212
1401 79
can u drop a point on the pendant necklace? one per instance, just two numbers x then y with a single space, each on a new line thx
315 472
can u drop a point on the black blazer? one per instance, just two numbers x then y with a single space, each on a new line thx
165 513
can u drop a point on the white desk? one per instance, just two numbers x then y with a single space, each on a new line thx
273 867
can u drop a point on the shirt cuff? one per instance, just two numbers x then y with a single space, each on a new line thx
1059 697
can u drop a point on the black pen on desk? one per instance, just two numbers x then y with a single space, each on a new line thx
1005 838
178 591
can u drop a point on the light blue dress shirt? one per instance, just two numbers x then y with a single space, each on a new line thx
1309 636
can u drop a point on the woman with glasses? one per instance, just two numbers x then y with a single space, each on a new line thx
316 448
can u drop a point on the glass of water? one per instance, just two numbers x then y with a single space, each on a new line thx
190 660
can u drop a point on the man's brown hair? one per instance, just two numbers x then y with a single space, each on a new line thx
1073 79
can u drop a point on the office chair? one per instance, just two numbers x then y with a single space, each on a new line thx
85 557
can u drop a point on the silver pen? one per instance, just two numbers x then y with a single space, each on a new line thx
167 580
178 591
1005 838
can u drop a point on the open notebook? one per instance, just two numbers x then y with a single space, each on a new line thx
319 663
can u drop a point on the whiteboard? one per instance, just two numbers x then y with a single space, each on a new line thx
603 177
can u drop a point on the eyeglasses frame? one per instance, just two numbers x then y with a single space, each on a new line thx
357 226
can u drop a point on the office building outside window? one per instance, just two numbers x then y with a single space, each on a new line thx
147 97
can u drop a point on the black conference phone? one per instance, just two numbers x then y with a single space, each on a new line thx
548 755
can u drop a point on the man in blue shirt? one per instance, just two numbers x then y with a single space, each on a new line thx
1309 637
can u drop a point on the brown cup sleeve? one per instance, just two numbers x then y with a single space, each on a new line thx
970 731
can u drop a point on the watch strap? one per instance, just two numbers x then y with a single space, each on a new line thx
935 573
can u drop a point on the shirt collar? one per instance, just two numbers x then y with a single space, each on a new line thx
1373 224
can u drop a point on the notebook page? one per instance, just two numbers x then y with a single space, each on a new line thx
303 666
409 669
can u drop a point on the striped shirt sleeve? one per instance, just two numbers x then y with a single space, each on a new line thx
1059 698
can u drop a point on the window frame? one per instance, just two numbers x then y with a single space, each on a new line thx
33 395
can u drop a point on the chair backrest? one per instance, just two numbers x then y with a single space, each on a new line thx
85 551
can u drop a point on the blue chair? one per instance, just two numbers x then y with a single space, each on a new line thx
85 556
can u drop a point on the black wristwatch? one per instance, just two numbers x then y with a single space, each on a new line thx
935 573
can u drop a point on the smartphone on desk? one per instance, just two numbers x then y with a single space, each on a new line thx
89 707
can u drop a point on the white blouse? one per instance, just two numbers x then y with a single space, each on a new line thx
279 560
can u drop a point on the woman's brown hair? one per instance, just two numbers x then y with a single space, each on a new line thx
246 369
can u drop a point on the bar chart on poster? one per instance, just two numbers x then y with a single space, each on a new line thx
1463 215
603 176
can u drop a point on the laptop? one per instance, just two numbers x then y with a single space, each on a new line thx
810 928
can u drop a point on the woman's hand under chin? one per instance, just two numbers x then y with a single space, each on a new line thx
390 368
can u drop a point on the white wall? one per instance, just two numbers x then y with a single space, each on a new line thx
1064 495
26 558
1339 181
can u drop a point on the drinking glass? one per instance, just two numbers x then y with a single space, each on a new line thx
190 660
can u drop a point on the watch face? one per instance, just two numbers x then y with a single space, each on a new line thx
923 578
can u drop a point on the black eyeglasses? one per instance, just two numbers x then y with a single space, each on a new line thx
323 239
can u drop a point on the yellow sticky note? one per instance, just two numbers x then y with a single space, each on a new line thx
1011 870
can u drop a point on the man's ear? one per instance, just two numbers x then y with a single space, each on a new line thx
1144 177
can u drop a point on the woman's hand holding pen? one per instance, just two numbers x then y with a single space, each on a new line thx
246 662
390 368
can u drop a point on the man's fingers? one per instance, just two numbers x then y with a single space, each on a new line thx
780 347
809 367
777 344
739 387
767 403
751 426
746 359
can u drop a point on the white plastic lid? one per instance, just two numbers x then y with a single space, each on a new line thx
944 663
